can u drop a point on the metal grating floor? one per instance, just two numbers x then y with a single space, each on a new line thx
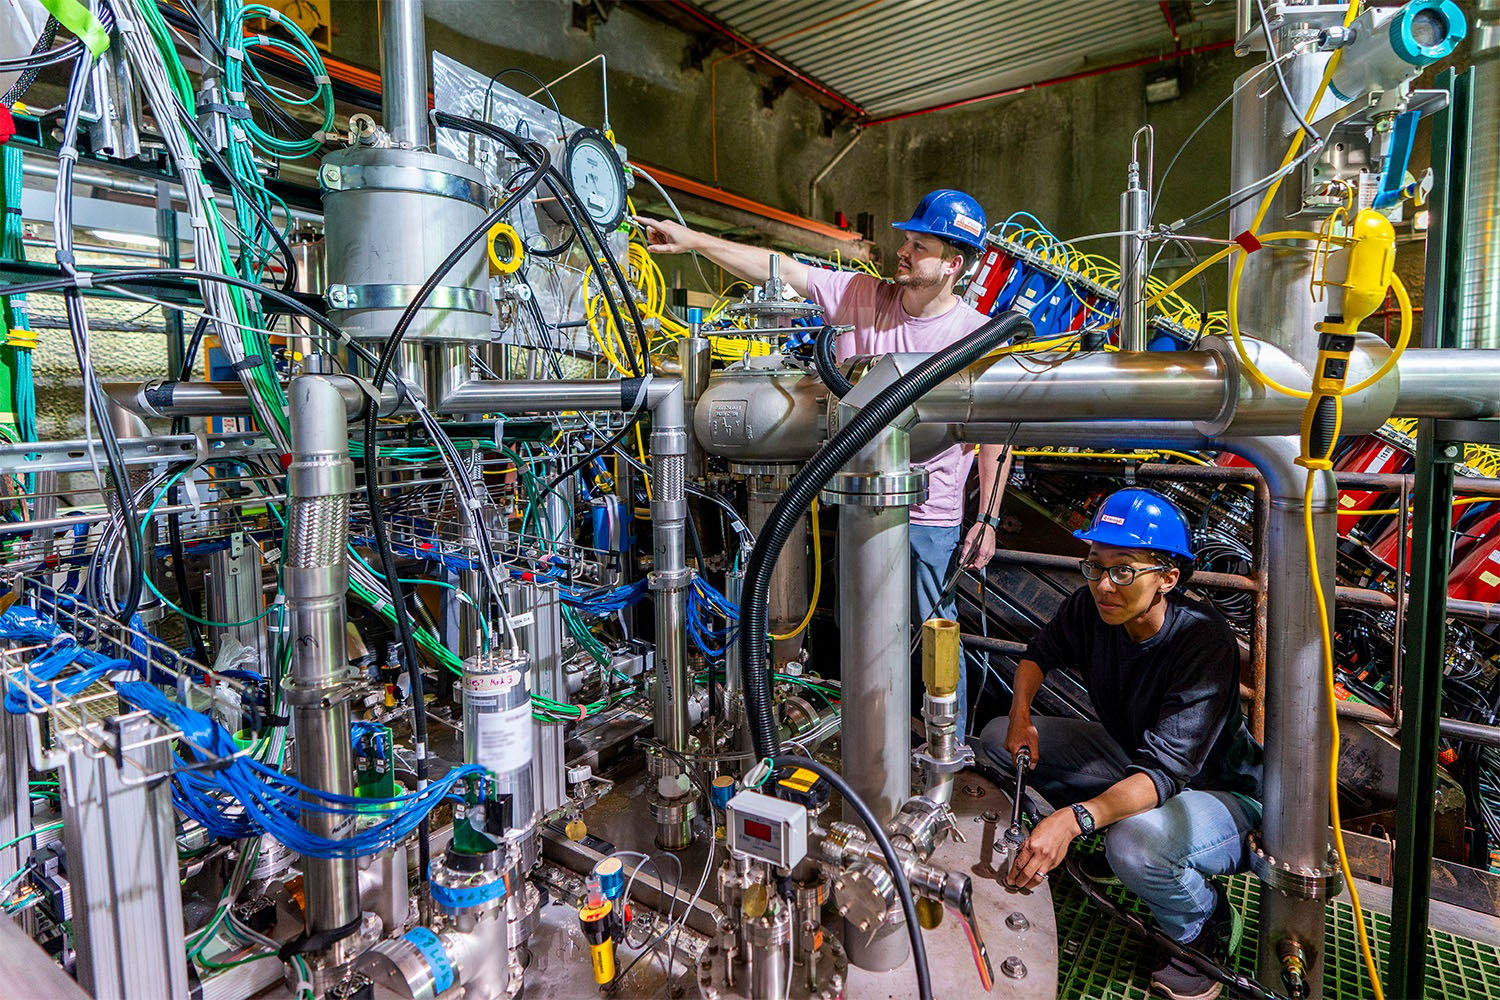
1100 959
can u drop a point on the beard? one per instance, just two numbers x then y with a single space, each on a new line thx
913 280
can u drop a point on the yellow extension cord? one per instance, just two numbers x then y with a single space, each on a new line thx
812 604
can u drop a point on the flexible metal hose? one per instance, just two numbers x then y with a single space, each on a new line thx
754 606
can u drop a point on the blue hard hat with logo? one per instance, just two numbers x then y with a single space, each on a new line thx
1140 519
949 214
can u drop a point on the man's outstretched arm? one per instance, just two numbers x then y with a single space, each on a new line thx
753 264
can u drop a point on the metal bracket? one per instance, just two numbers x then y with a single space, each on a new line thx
400 296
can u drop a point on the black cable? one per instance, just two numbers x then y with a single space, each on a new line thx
18 89
78 329
828 369
805 486
581 222
562 128
42 54
892 861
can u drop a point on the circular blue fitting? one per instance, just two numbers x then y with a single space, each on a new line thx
695 315
1424 13
611 873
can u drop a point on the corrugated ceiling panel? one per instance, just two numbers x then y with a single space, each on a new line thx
890 56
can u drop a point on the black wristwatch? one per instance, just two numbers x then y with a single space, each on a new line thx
991 520
1085 819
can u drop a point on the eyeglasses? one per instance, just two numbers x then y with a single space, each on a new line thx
1120 576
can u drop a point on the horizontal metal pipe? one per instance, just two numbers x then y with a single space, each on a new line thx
1455 729
543 395
1449 383
1046 560
1364 597
984 642
158 398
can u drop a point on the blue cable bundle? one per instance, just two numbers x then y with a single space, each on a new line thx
604 603
704 601
38 684
237 796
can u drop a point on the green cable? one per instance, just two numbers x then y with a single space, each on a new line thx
12 842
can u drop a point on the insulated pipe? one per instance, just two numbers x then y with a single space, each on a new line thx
403 71
316 579
670 576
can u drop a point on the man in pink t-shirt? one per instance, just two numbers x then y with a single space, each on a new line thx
917 311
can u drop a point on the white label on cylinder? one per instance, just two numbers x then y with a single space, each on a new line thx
502 740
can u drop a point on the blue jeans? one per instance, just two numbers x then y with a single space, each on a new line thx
1164 855
934 560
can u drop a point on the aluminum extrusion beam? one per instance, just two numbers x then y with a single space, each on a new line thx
121 837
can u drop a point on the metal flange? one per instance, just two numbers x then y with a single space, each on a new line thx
1300 882
899 489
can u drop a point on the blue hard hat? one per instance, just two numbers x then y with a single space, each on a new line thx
1140 519
949 214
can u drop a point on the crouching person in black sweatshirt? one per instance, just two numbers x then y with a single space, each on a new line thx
1169 769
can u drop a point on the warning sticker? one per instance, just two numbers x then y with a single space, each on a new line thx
502 740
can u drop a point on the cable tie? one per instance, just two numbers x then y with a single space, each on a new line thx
191 163
68 152
322 80
1248 242
198 222
234 53
272 14
236 95
83 279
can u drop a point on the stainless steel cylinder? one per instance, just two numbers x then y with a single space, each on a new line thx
874 562
1275 296
768 952
788 590
1298 737
393 215
307 251
498 728
543 638
1135 262
403 71
315 576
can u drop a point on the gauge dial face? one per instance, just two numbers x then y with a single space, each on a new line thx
598 177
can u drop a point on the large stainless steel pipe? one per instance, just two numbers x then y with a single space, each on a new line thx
403 71
544 396
874 561
788 591
316 578
1457 384
158 398
1299 738
670 576
1275 300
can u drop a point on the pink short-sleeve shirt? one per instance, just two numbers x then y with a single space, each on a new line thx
882 326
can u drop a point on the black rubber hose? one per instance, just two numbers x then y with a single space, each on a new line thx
828 368
754 609
898 874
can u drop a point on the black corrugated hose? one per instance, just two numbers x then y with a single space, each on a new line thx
828 368
754 609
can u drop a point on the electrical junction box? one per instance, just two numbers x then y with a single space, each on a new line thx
767 829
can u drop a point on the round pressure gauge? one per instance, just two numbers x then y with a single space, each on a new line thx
597 175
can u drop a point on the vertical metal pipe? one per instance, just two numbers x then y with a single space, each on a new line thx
670 576
1135 262
316 578
1298 736
307 248
403 71
875 611
1275 299
548 680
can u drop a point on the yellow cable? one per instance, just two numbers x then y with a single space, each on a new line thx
1333 716
812 604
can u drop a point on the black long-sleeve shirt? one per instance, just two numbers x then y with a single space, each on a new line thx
1171 702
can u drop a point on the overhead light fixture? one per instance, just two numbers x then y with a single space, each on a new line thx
1163 86
129 239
